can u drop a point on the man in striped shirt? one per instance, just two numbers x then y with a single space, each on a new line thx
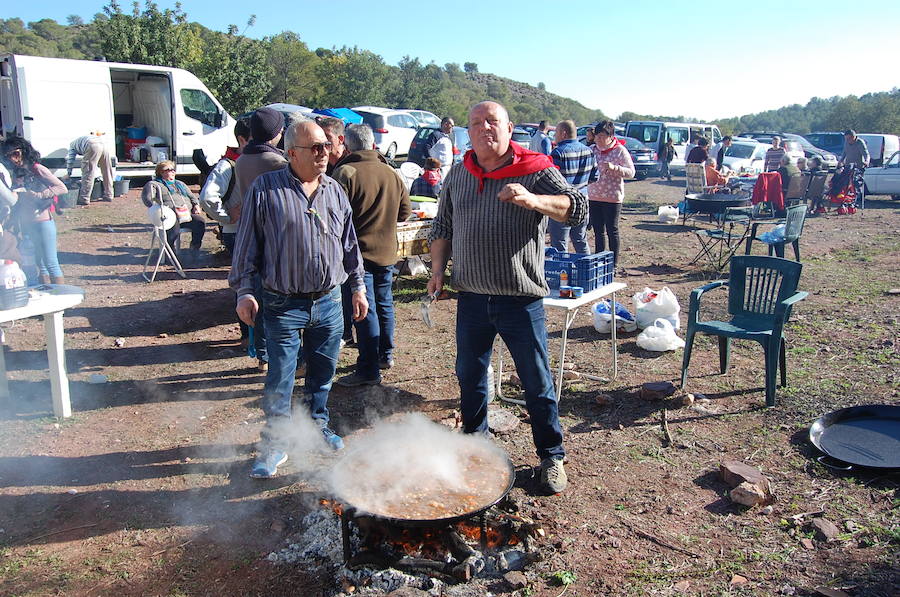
577 165
296 233
492 219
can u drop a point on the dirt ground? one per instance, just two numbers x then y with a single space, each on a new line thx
144 491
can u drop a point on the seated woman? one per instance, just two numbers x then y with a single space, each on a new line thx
429 184
35 189
713 176
163 189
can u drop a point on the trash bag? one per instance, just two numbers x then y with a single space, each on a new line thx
650 305
602 318
659 337
773 236
668 214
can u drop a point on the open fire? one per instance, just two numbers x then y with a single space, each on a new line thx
494 541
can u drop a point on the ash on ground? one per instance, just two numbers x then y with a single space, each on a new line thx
318 548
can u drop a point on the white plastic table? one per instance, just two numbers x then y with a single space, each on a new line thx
50 303
571 306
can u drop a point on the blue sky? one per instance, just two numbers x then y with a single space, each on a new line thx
700 58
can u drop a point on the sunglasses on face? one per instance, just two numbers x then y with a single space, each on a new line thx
168 169
316 147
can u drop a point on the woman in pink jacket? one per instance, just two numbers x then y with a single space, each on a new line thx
605 196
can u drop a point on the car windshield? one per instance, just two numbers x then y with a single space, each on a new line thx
633 144
645 133
826 139
461 136
740 150
520 136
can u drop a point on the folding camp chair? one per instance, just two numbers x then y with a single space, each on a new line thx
815 192
162 218
796 191
719 244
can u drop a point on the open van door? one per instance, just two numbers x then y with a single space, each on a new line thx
201 122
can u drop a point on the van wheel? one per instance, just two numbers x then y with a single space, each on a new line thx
391 151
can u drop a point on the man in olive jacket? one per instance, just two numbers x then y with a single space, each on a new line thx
379 200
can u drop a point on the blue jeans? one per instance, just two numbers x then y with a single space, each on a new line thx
520 321
559 237
375 333
43 236
288 319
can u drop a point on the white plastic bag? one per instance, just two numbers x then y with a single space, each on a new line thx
668 214
602 318
659 337
650 305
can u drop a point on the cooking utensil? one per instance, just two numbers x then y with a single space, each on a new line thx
425 308
865 436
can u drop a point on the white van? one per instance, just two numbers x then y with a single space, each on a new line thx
880 147
53 101
653 134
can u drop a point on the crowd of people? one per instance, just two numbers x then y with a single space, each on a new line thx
312 234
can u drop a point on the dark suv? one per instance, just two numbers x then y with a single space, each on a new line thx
417 147
802 144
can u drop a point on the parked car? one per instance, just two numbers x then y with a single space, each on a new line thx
461 144
644 158
830 142
746 156
425 118
530 127
880 146
884 179
796 145
394 129
522 137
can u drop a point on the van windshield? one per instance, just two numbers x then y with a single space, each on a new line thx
645 133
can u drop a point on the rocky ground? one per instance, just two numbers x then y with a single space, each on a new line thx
144 491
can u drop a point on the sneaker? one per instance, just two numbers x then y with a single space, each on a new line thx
553 475
333 440
266 464
386 363
355 379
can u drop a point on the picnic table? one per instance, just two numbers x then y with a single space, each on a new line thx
49 300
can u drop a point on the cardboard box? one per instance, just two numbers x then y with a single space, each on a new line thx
412 238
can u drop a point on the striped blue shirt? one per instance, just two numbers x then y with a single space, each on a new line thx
576 162
296 244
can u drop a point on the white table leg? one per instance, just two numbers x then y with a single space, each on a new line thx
570 317
4 384
59 383
615 354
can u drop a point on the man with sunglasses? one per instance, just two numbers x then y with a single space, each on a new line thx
379 200
296 236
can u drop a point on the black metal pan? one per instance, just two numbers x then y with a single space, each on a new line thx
862 436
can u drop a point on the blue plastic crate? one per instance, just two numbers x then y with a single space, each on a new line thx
586 271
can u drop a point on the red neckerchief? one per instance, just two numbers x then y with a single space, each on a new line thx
524 162
232 153
618 142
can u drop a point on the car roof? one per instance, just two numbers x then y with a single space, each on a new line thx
378 110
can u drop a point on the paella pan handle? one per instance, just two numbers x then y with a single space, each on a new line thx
821 460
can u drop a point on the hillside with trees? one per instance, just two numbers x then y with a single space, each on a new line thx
245 73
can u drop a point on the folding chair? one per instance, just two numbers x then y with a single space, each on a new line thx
162 218
695 183
815 192
718 245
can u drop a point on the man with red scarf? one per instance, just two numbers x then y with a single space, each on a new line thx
492 221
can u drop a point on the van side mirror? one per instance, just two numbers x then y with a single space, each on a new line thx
220 120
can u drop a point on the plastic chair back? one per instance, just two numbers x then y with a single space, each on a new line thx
757 284
797 186
793 223
816 188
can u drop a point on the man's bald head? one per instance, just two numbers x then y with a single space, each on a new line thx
490 131
306 146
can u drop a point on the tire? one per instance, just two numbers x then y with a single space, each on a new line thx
391 152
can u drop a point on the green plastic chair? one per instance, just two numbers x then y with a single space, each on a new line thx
793 228
761 293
